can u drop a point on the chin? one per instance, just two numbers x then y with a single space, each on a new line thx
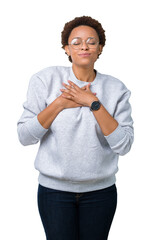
85 64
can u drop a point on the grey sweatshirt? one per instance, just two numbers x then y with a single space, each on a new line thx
73 154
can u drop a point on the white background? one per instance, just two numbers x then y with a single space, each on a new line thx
30 41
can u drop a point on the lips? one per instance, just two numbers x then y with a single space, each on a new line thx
84 54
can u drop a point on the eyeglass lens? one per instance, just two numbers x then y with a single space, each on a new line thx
76 43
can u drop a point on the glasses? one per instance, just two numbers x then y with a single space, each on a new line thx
91 42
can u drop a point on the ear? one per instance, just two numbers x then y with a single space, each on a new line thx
66 48
100 49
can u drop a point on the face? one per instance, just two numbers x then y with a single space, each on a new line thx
84 56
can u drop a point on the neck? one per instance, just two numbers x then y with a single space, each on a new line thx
84 74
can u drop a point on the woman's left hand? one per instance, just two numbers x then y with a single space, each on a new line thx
82 96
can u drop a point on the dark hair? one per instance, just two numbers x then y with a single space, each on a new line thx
86 21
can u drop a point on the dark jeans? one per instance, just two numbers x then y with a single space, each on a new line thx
77 216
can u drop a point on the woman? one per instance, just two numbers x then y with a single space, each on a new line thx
82 119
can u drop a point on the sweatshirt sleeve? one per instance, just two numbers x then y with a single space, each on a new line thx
29 129
121 139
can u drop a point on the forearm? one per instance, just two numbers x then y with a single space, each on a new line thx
85 97
47 116
106 122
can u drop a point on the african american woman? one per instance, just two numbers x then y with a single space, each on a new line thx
82 119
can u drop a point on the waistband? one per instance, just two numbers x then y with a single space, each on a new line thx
78 187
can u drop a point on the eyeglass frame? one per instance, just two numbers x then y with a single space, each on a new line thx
82 40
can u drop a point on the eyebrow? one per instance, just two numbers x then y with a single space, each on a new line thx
81 38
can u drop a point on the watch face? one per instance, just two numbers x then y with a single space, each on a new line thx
95 105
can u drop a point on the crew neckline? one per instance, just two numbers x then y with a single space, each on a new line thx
82 83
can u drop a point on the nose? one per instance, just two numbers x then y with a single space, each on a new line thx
84 45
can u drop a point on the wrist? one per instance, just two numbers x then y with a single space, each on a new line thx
92 100
59 104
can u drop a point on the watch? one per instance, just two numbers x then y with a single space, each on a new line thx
95 106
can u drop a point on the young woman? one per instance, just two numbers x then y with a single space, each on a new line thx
82 119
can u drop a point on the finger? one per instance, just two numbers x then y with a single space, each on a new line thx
88 86
69 92
65 91
69 87
67 96
73 85
83 88
66 85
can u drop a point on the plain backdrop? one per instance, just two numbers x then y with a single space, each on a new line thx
30 41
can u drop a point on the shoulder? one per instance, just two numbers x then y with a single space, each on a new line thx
46 74
48 71
112 83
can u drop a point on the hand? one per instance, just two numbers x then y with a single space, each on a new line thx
82 96
67 103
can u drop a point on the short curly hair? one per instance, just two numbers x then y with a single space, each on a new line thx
80 21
